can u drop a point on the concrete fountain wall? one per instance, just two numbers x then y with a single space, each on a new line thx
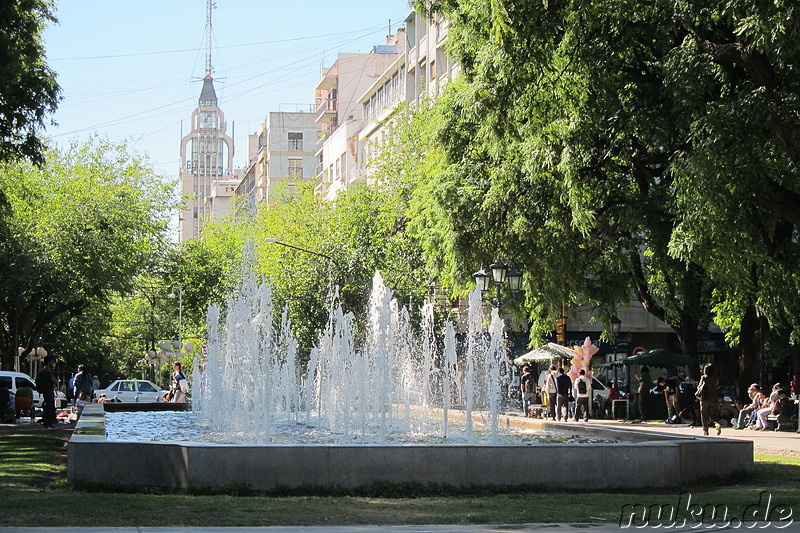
638 460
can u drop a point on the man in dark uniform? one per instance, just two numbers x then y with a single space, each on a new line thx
45 384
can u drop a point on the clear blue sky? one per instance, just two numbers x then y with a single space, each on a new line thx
132 70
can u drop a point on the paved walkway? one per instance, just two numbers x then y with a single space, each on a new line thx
787 442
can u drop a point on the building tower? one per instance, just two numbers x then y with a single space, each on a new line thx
206 152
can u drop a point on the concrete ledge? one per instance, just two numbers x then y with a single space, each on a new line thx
638 461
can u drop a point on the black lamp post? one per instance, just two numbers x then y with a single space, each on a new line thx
616 324
499 275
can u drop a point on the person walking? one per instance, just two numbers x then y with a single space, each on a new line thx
551 389
564 384
707 393
527 386
46 386
583 393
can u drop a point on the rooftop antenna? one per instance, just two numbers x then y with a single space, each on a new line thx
210 6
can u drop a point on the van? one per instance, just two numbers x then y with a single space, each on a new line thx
15 380
598 388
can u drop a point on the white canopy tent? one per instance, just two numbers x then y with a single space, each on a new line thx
549 351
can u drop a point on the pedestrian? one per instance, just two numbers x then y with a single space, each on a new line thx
707 393
83 382
527 386
46 386
551 389
179 384
672 395
645 384
564 386
583 393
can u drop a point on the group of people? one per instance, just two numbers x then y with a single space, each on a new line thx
82 386
754 415
559 390
706 406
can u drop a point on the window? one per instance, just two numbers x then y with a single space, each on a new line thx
296 167
144 386
126 386
296 142
24 382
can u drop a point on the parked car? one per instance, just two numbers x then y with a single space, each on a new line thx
15 380
132 391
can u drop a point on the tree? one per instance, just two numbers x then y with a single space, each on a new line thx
28 88
77 231
663 132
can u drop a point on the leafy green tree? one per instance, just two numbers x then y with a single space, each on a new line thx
28 88
662 132
78 230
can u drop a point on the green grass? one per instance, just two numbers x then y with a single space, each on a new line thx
34 492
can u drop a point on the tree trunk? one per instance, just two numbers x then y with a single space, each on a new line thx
688 337
750 358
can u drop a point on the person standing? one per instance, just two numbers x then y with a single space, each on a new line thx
564 384
83 382
179 384
645 384
551 389
46 385
707 393
583 393
527 386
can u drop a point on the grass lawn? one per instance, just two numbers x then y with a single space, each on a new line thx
34 492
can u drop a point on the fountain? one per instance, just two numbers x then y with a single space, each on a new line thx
355 392
337 423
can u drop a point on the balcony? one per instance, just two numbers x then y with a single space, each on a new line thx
326 110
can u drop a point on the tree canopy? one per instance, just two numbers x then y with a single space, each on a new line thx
625 145
28 88
76 231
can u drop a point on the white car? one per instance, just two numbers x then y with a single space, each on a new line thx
15 380
132 391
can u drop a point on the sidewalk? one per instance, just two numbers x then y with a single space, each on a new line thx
764 442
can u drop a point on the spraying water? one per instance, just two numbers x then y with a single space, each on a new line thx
397 380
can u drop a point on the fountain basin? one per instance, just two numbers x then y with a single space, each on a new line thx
638 460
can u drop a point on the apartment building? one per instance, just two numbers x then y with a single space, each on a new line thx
340 115
280 156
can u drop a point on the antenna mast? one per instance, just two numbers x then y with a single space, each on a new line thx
210 5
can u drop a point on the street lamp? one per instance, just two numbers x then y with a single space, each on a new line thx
35 356
271 240
499 275
616 324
